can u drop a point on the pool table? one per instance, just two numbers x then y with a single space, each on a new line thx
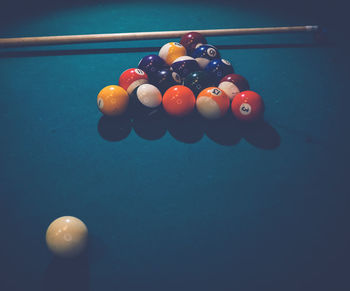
176 204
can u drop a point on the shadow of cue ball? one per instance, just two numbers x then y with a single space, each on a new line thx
187 129
114 128
75 271
224 131
261 135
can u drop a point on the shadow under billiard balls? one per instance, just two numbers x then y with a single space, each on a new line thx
224 131
188 129
261 134
150 127
114 128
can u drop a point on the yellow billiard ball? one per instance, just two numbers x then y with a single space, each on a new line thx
171 51
112 100
67 236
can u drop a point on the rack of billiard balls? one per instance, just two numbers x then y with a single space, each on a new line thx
185 76
182 77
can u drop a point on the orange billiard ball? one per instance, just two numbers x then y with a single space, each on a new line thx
212 103
247 106
113 100
179 101
67 236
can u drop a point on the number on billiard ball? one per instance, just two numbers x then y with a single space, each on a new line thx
247 106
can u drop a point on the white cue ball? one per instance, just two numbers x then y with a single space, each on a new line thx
67 236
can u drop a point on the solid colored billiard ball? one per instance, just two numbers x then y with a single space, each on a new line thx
232 84
212 103
112 100
198 81
220 68
247 106
132 78
171 51
184 66
204 54
178 101
147 99
151 64
191 40
67 236
165 79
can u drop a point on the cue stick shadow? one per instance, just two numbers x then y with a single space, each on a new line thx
226 131
69 52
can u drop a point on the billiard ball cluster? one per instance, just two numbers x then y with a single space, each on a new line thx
183 76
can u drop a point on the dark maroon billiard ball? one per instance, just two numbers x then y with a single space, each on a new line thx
191 40
232 84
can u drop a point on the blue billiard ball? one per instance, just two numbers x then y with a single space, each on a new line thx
219 68
184 66
151 64
204 54
164 79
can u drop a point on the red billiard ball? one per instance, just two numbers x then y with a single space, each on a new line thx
178 101
232 84
247 106
191 40
131 79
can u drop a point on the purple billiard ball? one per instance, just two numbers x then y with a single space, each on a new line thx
151 64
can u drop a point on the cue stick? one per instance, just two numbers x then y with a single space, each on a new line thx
109 37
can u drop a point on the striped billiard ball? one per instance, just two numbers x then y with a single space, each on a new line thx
232 84
212 103
132 78
171 51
